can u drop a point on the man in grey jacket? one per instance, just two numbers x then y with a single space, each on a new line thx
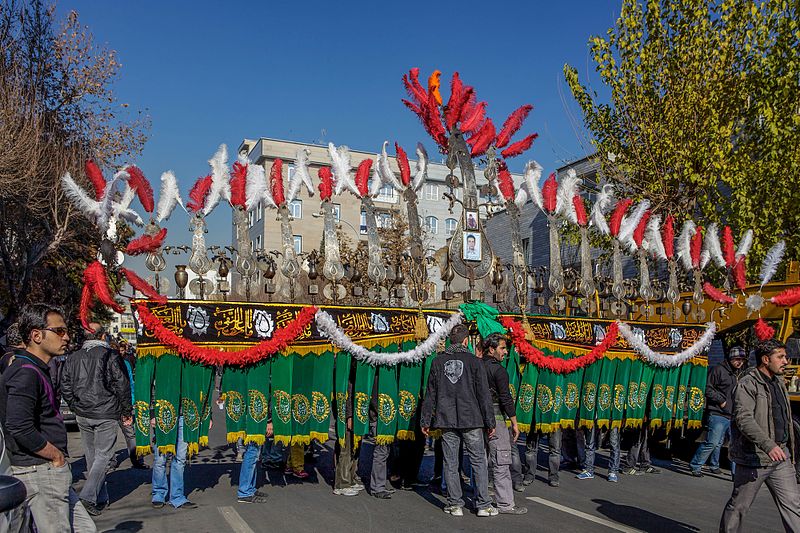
762 444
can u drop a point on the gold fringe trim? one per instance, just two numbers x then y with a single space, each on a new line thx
356 442
305 440
633 423
234 436
586 423
603 424
548 428
655 423
524 428
192 449
342 442
694 424
384 440
204 441
616 424
169 448
257 439
435 433
567 424
141 451
286 440
406 434
319 436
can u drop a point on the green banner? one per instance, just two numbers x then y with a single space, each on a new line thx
321 394
572 398
619 393
194 383
696 395
255 428
142 390
549 397
591 377
234 389
526 399
302 382
206 401
341 382
387 403
671 396
365 379
409 395
605 392
167 400
511 364
658 409
681 396
633 411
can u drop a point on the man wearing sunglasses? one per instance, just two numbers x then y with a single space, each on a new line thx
36 438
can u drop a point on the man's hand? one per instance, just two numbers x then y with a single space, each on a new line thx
210 424
490 432
514 433
350 423
127 420
723 404
59 460
270 430
777 454
426 431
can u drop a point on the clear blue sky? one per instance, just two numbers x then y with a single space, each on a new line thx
214 72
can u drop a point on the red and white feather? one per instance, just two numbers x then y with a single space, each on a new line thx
220 180
301 176
631 222
567 188
685 244
712 245
168 197
655 242
603 203
421 169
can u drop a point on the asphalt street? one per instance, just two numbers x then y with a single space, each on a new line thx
670 501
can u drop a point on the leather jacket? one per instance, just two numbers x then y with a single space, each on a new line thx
94 383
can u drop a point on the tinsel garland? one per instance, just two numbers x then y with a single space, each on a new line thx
663 360
210 356
555 364
328 327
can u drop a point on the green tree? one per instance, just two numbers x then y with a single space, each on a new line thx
703 113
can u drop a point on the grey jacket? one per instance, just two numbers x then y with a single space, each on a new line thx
752 431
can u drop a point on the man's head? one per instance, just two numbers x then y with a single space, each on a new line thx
13 338
470 242
43 330
771 357
459 334
494 346
96 333
737 357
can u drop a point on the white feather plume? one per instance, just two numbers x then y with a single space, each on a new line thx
79 198
300 177
342 172
771 262
220 179
605 199
653 236
521 197
168 197
685 244
705 257
712 245
567 187
421 172
106 213
745 244
629 223
532 175
122 208
386 169
257 189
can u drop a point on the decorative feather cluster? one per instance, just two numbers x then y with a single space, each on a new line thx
141 186
169 197
550 194
740 272
531 177
481 139
504 182
728 247
668 237
340 160
615 223
421 170
402 162
696 246
106 218
771 261
79 198
579 211
95 278
146 243
629 223
605 198
425 104
220 180
764 331
257 189
276 182
567 188
745 244
142 286
685 244
383 173
301 175
85 306
95 176
712 245
638 233
472 118
512 125
239 183
654 240
325 183
519 147
716 294
198 194
788 298
362 177
459 96
434 82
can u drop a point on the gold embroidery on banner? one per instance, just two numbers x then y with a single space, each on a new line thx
355 324
170 317
233 321
402 323
579 331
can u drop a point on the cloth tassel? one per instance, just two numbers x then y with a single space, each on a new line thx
204 441
234 436
257 439
694 424
320 437
286 440
405 434
384 440
420 327
602 423
305 440
169 448
524 428
192 449
141 451
586 423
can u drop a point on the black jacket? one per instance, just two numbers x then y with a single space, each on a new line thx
722 380
498 386
94 384
458 394
28 411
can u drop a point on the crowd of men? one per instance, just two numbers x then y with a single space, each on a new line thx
467 405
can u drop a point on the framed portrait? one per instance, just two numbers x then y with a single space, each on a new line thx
471 220
471 248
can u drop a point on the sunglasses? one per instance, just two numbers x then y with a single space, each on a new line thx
60 331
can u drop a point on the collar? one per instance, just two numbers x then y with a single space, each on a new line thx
88 345
26 357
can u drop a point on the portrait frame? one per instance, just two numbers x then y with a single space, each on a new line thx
471 251
470 220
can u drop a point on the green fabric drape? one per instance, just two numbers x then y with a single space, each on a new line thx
526 399
321 394
619 394
484 316
696 396
633 411
681 395
206 402
549 397
672 382
408 395
605 392
387 403
658 408
341 377
302 381
142 388
194 383
511 364
258 377
591 376
281 393
234 389
167 401
365 378
572 398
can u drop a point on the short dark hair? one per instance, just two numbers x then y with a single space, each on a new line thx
471 237
492 341
459 333
12 335
767 347
96 335
34 316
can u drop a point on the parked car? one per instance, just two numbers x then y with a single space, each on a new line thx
68 415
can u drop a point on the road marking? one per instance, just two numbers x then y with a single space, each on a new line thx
585 516
235 520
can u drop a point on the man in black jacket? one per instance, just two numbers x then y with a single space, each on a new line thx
99 394
722 381
457 401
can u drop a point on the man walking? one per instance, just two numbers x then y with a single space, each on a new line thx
762 443
457 401
500 456
98 392
36 438
722 381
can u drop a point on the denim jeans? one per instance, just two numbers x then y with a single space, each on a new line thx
639 454
592 438
476 451
530 459
271 452
247 473
175 490
99 438
718 426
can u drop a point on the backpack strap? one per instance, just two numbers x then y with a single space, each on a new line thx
48 389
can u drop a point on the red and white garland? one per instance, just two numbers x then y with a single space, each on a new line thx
663 360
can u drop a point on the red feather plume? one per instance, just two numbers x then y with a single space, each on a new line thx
788 298
362 176
519 147
139 183
696 247
413 107
716 294
638 233
580 210
453 115
453 108
95 175
414 87
402 162
197 196
473 117
550 193
512 125
740 273
85 308
142 286
433 121
276 181
482 138
616 217
728 248
505 183
146 243
239 185
325 183
668 236
764 331
95 277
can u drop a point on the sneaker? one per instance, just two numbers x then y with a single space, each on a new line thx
612 477
299 474
519 487
191 505
631 472
349 491
383 495
358 487
454 510
528 479
585 475
697 473
653 470
513 510
488 511
157 505
257 497
716 470
553 483
91 508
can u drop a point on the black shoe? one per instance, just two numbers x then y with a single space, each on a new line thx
553 483
257 497
716 471
157 505
697 473
384 495
519 487
188 505
91 508
528 479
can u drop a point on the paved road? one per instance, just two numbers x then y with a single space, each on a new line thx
668 502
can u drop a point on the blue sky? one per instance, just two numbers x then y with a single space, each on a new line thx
213 72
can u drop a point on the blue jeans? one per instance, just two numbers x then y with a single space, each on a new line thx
272 452
175 491
592 437
718 427
247 473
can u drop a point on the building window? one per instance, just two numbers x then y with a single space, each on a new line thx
298 244
258 242
386 194
431 192
337 212
363 223
289 172
250 218
296 209
525 243
384 220
259 210
450 226
432 223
